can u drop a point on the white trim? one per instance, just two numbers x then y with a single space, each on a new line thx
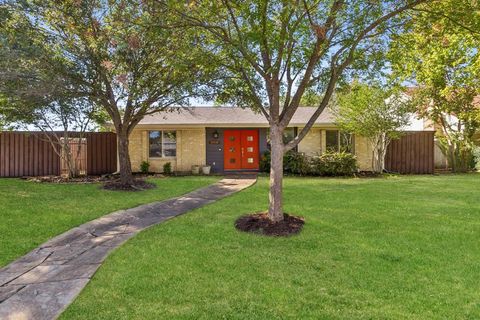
162 157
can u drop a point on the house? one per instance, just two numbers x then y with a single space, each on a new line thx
231 139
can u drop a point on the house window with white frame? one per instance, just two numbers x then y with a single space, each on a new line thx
162 144
339 141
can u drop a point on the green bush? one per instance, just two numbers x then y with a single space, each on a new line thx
167 168
476 158
327 164
296 163
293 162
265 162
144 167
334 164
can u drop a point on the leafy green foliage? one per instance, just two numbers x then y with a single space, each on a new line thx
167 168
326 164
439 52
334 164
113 54
264 164
296 163
145 167
375 113
370 111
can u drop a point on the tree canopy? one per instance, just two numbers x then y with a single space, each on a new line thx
439 53
273 52
373 112
108 52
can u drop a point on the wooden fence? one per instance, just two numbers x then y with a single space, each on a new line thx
413 153
101 153
31 154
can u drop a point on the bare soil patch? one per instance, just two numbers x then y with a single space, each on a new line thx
259 223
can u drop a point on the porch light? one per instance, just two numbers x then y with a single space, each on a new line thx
215 134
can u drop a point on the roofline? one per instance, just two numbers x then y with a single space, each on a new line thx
226 125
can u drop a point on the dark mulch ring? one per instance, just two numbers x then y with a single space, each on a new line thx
138 185
60 179
259 223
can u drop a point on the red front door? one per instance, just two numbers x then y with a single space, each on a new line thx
241 149
250 149
232 146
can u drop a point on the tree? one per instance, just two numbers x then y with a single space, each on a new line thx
56 120
107 52
439 53
272 52
374 113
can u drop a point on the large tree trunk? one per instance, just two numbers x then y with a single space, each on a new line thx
275 210
125 169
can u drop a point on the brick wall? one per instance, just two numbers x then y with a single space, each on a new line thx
315 141
312 143
363 151
190 150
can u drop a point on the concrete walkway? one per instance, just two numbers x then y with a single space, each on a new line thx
41 284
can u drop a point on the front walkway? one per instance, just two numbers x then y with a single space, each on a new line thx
41 284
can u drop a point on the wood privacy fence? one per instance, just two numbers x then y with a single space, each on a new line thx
31 154
412 153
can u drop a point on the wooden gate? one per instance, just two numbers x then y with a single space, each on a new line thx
413 153
31 154
78 150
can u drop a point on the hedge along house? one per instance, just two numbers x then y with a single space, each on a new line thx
231 139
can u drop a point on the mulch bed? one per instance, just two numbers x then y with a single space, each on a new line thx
60 179
138 185
110 182
260 224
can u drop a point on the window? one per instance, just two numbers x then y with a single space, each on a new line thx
339 141
162 144
332 140
288 135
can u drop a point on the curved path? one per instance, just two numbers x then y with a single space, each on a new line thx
41 284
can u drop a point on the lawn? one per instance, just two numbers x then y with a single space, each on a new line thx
392 248
31 213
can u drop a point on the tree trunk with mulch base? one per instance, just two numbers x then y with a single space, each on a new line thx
260 223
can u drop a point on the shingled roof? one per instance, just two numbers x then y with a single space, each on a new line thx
229 117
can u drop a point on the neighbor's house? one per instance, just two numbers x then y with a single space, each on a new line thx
233 139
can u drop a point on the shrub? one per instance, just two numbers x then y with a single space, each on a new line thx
265 162
334 164
296 163
476 158
167 168
327 164
144 167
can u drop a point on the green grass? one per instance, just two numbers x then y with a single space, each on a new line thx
394 248
31 213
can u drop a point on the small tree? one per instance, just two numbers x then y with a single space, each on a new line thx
374 113
56 120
